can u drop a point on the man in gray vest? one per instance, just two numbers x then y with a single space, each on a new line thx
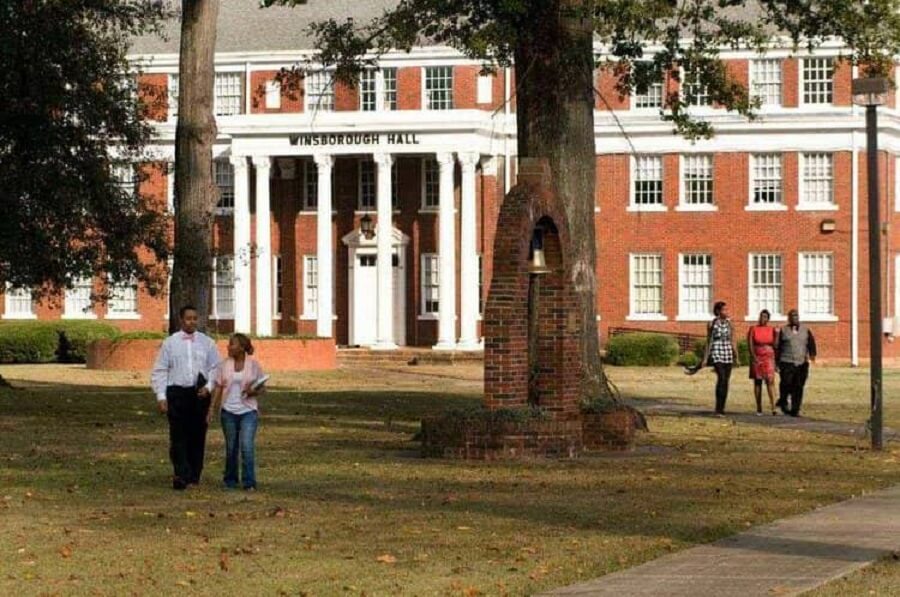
796 348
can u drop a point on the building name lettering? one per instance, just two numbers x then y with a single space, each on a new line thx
318 139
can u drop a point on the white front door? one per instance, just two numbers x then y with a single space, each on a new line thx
364 308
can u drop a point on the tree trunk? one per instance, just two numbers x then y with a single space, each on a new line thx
554 65
195 193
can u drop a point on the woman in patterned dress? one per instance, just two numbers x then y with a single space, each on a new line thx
762 339
721 352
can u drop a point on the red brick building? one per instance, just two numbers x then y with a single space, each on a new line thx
767 214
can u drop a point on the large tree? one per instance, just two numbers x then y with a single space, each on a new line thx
551 45
70 129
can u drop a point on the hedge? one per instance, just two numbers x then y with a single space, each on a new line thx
641 349
743 351
41 341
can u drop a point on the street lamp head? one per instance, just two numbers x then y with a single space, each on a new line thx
870 91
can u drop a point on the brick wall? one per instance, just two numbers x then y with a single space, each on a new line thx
409 88
291 94
153 92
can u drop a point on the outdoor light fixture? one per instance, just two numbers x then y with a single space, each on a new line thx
537 263
871 91
827 226
366 227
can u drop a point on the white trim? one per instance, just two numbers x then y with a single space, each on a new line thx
682 184
122 316
766 207
801 295
750 205
306 313
214 311
697 208
801 185
801 103
18 317
775 316
686 316
632 315
422 312
15 315
646 317
779 317
632 185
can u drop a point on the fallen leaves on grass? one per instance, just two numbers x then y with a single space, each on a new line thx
386 559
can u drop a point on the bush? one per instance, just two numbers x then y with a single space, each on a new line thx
642 350
688 359
50 341
743 351
142 335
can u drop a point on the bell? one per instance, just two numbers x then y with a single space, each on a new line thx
538 263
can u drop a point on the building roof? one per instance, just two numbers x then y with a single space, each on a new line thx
245 27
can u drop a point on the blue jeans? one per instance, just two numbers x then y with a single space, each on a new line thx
240 433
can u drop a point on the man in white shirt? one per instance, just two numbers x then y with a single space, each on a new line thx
182 380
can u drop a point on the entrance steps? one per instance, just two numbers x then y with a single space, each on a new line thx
365 357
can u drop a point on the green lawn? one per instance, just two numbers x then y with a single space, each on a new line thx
346 506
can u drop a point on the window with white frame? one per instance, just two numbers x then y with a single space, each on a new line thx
431 183
224 173
123 299
389 82
125 178
228 94
430 282
310 184
697 180
765 179
78 301
367 185
273 95
765 81
368 90
766 282
378 89
319 91
223 286
816 284
695 286
19 303
277 286
818 80
648 181
438 87
652 98
695 93
172 97
310 285
817 180
646 285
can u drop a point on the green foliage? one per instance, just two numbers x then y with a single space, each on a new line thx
479 414
67 99
699 348
688 359
41 341
641 350
142 335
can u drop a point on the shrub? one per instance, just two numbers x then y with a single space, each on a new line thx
142 335
50 341
688 359
743 351
641 349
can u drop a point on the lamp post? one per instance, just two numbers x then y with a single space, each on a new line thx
871 93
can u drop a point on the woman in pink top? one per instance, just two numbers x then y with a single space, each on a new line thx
236 398
762 340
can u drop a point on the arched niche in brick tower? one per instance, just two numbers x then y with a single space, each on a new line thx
548 368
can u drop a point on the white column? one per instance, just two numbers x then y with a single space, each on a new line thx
446 257
263 165
241 244
468 266
384 335
324 249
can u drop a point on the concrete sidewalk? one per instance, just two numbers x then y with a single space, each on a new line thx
786 557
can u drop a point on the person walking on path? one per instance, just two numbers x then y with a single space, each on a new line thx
796 348
239 380
721 352
182 380
762 339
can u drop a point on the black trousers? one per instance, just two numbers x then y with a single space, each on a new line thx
793 379
187 432
723 376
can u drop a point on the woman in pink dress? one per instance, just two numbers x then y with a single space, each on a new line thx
762 339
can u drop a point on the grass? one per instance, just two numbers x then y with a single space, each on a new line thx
346 506
881 579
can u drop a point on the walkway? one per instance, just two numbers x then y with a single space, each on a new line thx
786 557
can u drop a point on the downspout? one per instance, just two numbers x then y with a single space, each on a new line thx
854 252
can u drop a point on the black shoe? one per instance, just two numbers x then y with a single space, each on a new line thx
179 484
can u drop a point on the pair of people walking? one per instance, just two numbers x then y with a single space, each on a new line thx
791 348
191 384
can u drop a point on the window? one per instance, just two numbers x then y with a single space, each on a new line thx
652 98
695 287
765 175
389 78
485 89
431 183
277 286
78 299
319 91
310 285
765 283
818 83
228 94
430 284
439 88
224 173
646 285
125 178
378 89
695 94
310 184
368 94
816 285
697 182
223 287
765 81
817 180
273 95
648 181
172 93
367 186
19 303
123 300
